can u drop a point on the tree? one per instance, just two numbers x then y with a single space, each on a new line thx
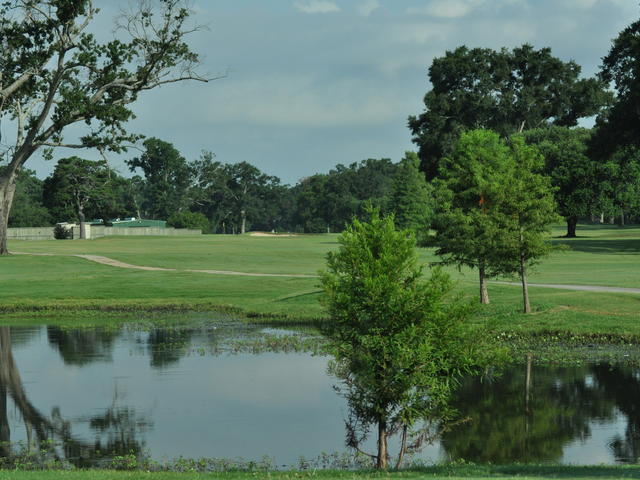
525 213
56 74
621 181
246 193
619 125
74 186
166 175
470 188
28 210
330 201
575 175
505 91
194 220
400 343
411 197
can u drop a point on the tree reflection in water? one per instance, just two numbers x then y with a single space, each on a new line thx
507 425
120 425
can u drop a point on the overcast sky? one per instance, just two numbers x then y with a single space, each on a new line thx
314 83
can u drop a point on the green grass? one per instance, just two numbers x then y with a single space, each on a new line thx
602 255
451 472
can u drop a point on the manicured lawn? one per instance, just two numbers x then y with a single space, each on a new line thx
608 256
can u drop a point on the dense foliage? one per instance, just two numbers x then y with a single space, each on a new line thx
400 343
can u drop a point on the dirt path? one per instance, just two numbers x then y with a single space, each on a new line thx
116 263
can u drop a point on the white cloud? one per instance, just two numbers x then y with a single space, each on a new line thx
367 7
445 8
316 6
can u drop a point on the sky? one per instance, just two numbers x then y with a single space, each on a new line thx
309 84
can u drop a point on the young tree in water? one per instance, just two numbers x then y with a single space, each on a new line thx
54 74
400 342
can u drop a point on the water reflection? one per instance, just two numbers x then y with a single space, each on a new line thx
118 425
115 391
513 422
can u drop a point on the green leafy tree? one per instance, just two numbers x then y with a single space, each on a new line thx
619 125
620 182
576 177
525 213
505 91
400 343
330 201
56 74
166 175
194 220
77 187
468 193
411 198
28 210
247 193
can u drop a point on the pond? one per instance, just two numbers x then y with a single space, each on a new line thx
210 390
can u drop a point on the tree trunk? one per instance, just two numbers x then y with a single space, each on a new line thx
5 431
243 225
601 217
403 447
381 462
7 189
525 286
484 292
83 233
622 219
572 223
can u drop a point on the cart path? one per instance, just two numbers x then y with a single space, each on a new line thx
561 286
117 263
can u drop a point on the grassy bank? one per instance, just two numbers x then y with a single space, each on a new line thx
58 285
452 472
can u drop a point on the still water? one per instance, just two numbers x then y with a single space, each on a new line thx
193 391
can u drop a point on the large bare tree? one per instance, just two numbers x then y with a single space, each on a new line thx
54 73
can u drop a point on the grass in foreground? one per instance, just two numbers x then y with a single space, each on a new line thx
452 472
57 285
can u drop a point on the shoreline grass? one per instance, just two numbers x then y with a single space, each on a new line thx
452 471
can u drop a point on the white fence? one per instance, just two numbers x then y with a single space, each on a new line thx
96 231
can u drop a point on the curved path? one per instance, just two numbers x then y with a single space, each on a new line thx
117 263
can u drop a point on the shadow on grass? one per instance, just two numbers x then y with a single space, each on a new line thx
533 471
617 246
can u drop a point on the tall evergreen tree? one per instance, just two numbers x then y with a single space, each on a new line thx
525 213
469 189
411 196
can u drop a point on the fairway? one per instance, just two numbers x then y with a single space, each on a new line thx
602 255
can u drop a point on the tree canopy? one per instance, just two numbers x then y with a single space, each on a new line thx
505 91
56 74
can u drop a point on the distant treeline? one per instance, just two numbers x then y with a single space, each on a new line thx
203 193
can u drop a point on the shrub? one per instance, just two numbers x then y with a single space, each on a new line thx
60 232
193 220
